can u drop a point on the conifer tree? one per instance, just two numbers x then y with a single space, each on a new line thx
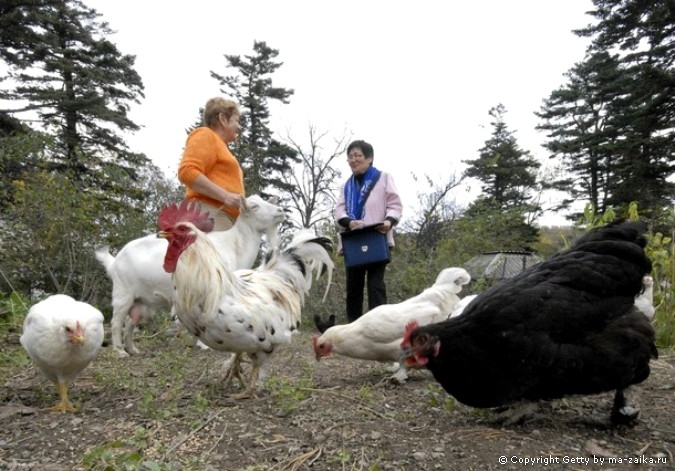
578 118
626 135
263 158
643 36
78 84
507 173
508 177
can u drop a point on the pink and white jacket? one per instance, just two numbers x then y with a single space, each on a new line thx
383 201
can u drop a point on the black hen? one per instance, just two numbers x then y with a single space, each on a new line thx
565 326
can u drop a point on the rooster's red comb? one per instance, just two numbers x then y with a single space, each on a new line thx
186 211
409 327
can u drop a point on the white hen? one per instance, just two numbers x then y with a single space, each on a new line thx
645 300
243 311
62 336
461 305
378 333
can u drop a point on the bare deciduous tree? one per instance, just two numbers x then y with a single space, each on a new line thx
436 211
315 179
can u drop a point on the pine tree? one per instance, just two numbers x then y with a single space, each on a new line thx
80 87
19 28
18 34
578 118
508 173
263 158
642 35
508 176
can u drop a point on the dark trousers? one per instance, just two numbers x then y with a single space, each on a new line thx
377 291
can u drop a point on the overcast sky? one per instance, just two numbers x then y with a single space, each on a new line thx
415 79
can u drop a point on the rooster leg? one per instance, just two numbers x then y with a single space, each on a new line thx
239 371
250 391
234 370
622 412
64 405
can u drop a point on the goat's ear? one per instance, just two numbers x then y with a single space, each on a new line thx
273 199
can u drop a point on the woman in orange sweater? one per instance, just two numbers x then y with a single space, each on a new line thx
208 169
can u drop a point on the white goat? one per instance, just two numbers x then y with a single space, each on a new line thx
140 284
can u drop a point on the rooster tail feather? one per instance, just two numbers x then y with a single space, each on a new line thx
323 325
314 254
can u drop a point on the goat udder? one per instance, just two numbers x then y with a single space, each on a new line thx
136 313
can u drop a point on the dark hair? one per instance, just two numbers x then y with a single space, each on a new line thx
366 148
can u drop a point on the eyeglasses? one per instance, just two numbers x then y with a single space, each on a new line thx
355 157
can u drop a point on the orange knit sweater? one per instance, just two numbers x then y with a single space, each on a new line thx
206 154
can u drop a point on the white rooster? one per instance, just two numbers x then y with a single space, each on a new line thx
378 333
62 336
242 311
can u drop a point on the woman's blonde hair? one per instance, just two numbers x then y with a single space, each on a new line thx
218 105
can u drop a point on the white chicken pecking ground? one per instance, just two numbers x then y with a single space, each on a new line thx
377 334
62 336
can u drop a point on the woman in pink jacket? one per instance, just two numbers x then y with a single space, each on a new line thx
369 196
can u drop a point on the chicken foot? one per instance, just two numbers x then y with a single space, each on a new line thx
233 371
250 390
622 412
64 405
518 413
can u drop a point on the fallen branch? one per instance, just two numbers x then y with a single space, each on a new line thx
293 464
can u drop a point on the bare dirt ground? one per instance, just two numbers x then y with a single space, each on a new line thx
166 411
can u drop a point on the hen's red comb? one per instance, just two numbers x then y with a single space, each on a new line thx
409 327
186 211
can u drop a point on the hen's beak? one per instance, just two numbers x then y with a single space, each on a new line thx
77 337
407 357
163 235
